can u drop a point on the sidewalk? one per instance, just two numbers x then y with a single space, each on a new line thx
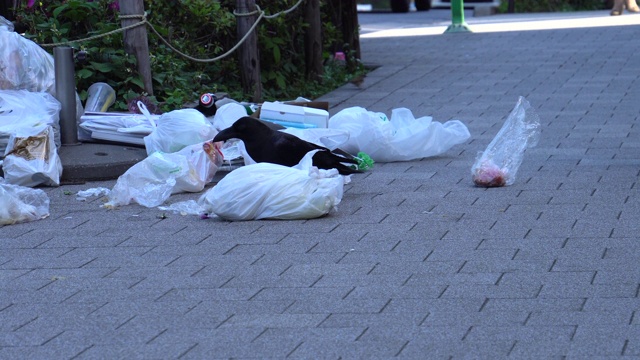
416 262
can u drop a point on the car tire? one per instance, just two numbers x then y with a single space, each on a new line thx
422 5
399 6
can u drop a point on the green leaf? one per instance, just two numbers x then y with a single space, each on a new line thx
137 81
281 83
84 73
59 9
102 67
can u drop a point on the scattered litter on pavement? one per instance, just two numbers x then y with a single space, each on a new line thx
181 156
20 204
270 191
498 164
83 195
188 207
401 138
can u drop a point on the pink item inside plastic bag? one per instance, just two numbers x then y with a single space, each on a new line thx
489 175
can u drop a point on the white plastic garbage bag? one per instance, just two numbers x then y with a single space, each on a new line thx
329 138
227 114
178 129
151 181
270 191
22 108
498 164
23 63
21 204
402 138
31 158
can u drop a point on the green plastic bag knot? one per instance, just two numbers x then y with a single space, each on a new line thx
365 162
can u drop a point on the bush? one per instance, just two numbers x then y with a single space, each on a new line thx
201 28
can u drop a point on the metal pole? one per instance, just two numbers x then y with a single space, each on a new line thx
457 18
66 94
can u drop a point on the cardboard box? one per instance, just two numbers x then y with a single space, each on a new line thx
294 116
323 105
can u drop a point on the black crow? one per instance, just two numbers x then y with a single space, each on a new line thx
265 144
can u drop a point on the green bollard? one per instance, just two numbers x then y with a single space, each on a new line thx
457 18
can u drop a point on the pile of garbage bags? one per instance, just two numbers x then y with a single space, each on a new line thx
182 158
271 191
29 112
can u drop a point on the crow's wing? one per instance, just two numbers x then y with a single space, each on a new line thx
290 149
277 147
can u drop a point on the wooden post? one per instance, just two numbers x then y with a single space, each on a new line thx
135 41
313 41
248 51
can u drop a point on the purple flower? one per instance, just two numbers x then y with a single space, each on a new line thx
30 3
115 6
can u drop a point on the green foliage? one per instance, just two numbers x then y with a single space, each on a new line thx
203 29
528 6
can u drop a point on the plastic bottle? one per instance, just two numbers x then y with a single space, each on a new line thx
207 104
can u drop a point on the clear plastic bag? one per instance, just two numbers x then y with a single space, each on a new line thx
498 164
31 158
403 138
21 204
271 191
22 108
177 129
23 63
153 180
204 161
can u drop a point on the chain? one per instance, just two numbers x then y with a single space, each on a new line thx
144 21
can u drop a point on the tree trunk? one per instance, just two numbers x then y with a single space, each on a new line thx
6 9
313 41
248 51
350 32
344 14
135 41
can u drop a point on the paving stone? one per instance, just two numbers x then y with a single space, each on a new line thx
415 262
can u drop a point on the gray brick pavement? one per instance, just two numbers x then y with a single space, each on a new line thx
415 263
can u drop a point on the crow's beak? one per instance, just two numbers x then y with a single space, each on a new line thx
225 135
